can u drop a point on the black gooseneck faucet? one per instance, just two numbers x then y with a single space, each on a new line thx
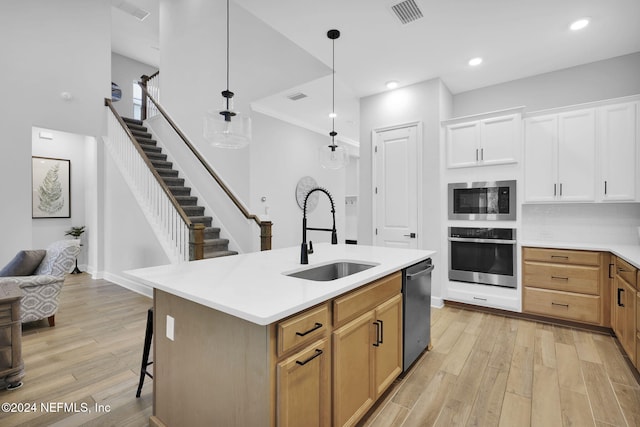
304 251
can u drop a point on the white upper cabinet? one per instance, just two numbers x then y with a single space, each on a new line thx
541 160
618 137
484 142
577 156
586 155
560 157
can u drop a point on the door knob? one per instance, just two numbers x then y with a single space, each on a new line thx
412 235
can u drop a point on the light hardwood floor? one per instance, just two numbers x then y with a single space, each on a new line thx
484 370
490 370
91 356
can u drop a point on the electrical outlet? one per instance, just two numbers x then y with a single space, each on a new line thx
170 327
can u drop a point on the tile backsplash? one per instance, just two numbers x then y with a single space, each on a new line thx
584 222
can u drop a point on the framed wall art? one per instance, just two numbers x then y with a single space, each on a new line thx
51 188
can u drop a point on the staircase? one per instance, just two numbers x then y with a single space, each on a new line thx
214 246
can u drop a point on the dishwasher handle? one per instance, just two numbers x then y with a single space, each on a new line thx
420 273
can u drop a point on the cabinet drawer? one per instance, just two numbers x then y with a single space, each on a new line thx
569 278
561 256
303 328
564 305
628 272
357 302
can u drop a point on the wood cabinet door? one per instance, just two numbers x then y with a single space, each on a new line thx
353 352
388 352
577 156
618 139
303 383
540 158
624 306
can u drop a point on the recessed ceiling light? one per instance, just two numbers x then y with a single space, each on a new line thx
579 24
475 61
392 84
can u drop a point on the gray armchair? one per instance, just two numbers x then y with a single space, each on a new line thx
41 290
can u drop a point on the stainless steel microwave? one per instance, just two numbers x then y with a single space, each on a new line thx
492 201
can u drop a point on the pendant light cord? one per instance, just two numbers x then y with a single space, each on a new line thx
333 91
227 45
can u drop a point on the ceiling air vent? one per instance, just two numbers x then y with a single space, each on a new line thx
296 96
407 11
132 10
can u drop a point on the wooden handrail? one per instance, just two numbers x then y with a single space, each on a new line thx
265 226
136 144
196 240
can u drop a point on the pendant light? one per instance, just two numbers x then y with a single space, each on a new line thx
332 156
227 128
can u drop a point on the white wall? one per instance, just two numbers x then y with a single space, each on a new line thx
124 71
611 78
46 50
129 241
192 64
71 147
281 154
426 102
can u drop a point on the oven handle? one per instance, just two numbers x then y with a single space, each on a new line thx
462 239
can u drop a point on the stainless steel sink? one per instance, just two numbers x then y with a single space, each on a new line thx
333 271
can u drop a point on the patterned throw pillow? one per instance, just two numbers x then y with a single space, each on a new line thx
24 263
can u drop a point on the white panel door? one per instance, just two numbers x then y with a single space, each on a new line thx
577 156
618 142
395 188
540 158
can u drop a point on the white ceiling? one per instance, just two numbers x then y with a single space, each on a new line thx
516 39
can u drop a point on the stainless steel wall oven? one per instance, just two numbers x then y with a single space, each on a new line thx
483 255
494 200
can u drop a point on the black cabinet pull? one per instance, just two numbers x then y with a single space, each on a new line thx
610 276
619 299
559 278
318 353
317 326
560 305
379 324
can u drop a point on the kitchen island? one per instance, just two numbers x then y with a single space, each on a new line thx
231 336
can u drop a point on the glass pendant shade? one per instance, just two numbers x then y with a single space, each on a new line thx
333 157
226 128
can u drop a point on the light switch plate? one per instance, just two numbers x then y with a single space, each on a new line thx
170 326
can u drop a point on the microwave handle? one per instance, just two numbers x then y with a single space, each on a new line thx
500 241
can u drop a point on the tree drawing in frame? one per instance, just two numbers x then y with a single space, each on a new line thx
51 192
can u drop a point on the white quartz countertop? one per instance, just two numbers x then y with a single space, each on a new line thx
253 287
630 253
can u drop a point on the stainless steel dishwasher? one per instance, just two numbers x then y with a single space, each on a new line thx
416 300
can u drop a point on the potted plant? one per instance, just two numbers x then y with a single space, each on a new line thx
76 232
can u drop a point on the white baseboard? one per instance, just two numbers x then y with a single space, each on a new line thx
437 302
127 283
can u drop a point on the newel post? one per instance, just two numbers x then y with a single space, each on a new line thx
143 110
265 235
196 242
